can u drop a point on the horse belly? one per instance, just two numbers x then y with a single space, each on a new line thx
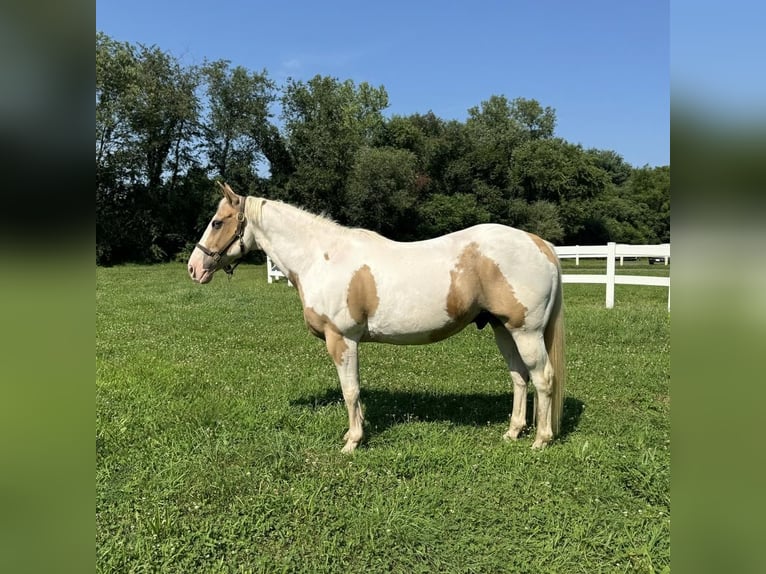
413 313
415 336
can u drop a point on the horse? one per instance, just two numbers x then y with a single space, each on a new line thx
357 286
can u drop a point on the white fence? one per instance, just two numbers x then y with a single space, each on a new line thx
611 252
274 273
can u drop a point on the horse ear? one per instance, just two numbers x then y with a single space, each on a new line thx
228 193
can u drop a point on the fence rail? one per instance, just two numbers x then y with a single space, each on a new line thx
611 252
274 273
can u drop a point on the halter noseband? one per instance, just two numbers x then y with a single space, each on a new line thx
238 235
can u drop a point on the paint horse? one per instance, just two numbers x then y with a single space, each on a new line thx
357 286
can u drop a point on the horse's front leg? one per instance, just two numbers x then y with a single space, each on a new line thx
345 355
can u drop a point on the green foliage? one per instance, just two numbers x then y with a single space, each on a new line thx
381 191
613 164
237 122
554 170
651 188
326 123
219 422
164 131
442 214
494 134
146 115
535 121
543 219
451 168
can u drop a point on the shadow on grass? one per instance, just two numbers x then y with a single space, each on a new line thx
384 409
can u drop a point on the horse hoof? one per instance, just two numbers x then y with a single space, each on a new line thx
511 436
350 447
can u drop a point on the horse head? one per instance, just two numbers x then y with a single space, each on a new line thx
223 241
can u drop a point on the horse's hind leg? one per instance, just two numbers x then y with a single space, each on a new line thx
531 348
519 376
344 353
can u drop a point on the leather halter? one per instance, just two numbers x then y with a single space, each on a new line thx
238 236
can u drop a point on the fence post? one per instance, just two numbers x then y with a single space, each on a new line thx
577 255
611 250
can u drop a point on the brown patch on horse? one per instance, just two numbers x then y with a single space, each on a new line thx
227 215
326 256
315 322
336 345
362 299
543 246
321 326
478 285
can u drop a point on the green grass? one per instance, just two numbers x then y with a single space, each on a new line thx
220 423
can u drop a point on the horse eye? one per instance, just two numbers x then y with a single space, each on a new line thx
217 223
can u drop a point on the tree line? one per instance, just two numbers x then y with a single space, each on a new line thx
166 131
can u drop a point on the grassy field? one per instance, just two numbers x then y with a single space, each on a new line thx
219 423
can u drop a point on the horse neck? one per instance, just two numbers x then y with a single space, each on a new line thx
289 235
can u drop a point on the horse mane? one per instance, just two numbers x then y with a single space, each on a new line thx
254 208
320 219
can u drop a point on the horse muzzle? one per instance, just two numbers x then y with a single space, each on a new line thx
197 269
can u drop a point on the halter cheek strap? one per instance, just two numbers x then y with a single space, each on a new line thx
238 236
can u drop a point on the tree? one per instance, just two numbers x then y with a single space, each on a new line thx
326 122
636 212
405 133
146 112
544 220
555 170
146 123
236 126
382 192
612 163
450 165
116 75
281 165
561 173
118 162
498 127
164 113
442 214
494 135
533 120
650 187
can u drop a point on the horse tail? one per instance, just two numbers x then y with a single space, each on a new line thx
554 345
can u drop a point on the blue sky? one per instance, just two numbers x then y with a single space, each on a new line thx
603 65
